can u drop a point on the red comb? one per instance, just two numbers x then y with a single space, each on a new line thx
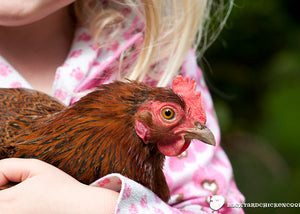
187 90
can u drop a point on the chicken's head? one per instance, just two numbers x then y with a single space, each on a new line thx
172 118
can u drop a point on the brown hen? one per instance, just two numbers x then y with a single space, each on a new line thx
125 128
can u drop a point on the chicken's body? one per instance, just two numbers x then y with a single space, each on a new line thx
93 137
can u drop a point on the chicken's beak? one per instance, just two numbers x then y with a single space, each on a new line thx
202 133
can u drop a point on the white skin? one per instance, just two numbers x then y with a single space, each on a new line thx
35 38
46 189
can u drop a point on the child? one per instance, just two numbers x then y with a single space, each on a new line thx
65 49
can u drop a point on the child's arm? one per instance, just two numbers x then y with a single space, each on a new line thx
46 189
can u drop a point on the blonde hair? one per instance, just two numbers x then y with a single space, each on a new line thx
172 27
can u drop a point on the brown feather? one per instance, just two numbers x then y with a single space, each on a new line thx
92 138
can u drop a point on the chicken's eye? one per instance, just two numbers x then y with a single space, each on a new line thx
168 113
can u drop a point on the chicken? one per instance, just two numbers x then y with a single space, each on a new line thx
122 127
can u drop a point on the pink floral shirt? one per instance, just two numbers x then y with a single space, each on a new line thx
193 177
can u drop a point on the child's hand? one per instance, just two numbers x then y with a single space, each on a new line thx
46 189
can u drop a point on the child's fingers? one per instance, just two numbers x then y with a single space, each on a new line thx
18 170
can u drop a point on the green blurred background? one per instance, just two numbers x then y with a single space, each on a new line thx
252 70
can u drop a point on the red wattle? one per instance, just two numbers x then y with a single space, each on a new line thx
173 146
